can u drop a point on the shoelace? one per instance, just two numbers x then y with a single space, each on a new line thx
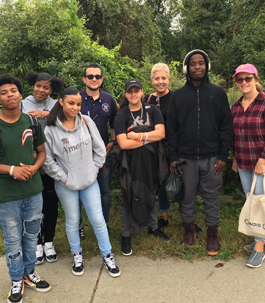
110 261
50 251
78 259
34 277
16 287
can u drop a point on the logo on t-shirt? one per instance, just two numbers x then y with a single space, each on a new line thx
26 133
105 107
65 141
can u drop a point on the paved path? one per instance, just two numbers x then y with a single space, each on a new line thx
145 280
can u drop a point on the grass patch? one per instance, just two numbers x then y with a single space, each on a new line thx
231 241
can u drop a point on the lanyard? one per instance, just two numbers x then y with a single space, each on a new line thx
88 111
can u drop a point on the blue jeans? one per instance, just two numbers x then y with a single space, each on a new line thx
20 222
246 177
103 182
90 198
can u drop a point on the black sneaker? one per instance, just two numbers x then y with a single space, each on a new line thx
109 264
78 266
162 222
126 248
16 292
158 233
81 234
33 280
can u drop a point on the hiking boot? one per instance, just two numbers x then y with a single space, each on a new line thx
33 280
162 222
16 292
158 233
255 259
81 234
126 248
109 264
78 266
50 252
189 235
213 246
39 254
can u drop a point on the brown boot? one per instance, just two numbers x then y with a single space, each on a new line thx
189 233
213 246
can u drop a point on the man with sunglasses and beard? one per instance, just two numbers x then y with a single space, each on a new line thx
102 109
199 132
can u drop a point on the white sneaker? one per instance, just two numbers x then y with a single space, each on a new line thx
39 254
50 252
112 268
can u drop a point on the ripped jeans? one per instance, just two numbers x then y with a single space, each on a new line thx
20 222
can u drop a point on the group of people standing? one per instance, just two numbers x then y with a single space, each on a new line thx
72 160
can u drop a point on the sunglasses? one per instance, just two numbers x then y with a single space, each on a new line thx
158 102
90 77
247 79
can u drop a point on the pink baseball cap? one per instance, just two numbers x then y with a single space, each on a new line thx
246 68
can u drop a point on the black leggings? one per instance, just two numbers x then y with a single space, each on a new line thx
49 210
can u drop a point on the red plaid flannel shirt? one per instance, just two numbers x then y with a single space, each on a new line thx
249 132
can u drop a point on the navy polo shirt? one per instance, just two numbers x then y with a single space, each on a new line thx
101 113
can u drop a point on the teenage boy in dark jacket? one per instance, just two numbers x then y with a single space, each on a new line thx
20 188
200 131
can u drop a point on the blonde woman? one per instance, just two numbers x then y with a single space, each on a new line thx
160 76
249 141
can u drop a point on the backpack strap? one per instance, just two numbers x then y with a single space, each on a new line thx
149 109
149 98
35 129
86 124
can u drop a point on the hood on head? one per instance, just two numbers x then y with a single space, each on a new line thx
187 60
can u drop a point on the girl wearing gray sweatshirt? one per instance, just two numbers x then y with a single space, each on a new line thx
74 154
39 105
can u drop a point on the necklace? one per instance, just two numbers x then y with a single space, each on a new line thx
141 114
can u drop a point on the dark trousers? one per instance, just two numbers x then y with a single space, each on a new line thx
200 173
49 210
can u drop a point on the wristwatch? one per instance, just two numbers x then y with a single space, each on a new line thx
114 141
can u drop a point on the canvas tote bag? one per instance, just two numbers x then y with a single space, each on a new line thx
252 216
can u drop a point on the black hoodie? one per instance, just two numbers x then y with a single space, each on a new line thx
199 121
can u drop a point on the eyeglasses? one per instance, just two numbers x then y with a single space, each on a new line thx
91 77
247 79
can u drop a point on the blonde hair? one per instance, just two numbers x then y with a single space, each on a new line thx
258 85
160 66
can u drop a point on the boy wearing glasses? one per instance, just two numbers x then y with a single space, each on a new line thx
102 109
199 131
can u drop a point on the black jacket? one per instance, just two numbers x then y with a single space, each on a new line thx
199 122
139 171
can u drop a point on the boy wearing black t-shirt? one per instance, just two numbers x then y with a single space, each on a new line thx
20 187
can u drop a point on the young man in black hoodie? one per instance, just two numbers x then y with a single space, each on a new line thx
200 131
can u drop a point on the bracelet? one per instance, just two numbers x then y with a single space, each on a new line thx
143 142
114 141
11 170
146 136
139 137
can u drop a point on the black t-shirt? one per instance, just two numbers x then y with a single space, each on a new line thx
125 119
164 101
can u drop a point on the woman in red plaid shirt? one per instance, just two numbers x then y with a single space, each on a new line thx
249 142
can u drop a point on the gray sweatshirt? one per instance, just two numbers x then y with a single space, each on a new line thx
74 155
30 103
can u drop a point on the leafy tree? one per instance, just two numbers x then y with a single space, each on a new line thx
127 23
47 36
